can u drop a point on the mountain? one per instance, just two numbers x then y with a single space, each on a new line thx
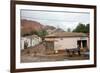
28 26
46 27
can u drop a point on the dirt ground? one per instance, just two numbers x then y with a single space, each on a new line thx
52 57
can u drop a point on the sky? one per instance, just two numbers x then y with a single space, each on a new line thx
58 19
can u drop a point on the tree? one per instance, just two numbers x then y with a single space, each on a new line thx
41 33
82 28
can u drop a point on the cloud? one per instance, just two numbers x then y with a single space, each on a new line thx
61 19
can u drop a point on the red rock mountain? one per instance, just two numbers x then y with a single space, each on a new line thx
28 26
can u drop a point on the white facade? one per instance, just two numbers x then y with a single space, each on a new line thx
30 40
66 42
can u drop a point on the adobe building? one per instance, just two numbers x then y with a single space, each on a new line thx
30 41
66 40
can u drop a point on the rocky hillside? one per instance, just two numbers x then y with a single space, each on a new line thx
28 26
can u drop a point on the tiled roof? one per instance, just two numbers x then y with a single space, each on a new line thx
67 34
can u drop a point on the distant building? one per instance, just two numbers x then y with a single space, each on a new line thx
66 40
30 41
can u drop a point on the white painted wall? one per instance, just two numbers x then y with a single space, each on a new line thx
5 37
23 40
30 41
67 43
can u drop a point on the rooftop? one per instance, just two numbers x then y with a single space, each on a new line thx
30 36
66 34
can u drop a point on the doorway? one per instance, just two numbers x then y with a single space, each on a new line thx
82 43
